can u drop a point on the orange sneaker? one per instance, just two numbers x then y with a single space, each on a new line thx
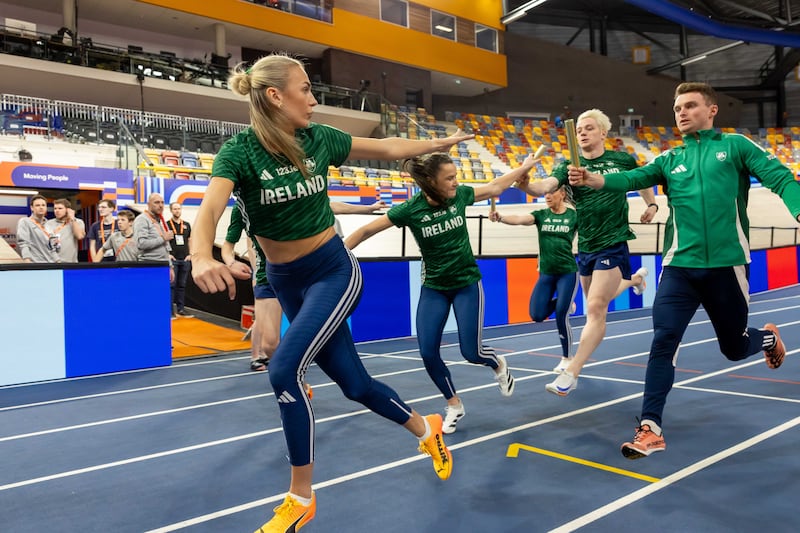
435 447
309 391
644 443
775 355
290 516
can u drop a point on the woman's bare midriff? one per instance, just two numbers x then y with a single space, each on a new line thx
280 252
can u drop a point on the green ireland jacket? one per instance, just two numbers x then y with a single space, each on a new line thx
707 182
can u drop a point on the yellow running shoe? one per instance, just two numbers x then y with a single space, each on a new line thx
435 447
290 516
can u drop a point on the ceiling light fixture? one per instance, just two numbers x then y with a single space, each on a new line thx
694 59
508 19
521 11
443 28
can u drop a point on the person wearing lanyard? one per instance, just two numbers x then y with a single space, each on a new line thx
152 235
122 242
101 230
34 243
68 229
181 260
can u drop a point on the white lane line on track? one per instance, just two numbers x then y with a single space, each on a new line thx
536 374
388 466
204 362
665 482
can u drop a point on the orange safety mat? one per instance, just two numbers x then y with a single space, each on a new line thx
192 336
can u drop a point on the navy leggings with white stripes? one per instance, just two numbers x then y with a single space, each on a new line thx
432 311
318 292
542 303
724 294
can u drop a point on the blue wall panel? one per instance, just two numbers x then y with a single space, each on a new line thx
385 309
495 291
758 271
391 292
118 319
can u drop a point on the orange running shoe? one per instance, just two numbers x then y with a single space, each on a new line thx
290 516
309 391
645 442
435 447
775 355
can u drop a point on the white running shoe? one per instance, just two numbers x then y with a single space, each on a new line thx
504 378
563 384
641 287
452 414
562 365
573 308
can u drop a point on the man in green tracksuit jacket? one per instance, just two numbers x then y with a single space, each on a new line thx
706 250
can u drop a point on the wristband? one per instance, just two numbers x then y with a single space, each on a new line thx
653 205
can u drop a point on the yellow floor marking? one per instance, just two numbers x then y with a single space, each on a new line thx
513 451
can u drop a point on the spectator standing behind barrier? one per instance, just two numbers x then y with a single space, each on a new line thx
35 243
121 242
151 232
152 235
181 260
103 228
706 249
68 229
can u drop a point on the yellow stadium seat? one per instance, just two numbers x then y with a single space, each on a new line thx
154 156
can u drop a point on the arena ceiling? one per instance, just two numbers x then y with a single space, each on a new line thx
782 15
775 19
770 22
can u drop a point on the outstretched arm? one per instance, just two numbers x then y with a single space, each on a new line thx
368 230
394 148
343 208
512 220
498 185
539 187
579 176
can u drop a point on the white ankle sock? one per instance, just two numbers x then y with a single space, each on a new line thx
302 501
427 430
655 428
